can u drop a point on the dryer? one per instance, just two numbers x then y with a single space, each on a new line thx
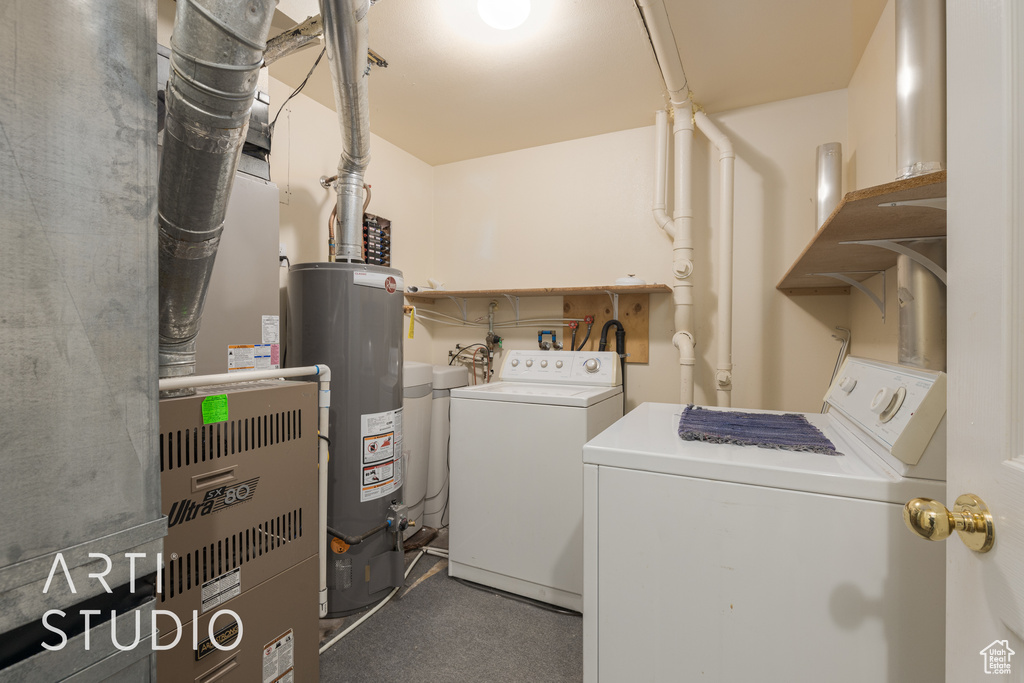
721 562
517 471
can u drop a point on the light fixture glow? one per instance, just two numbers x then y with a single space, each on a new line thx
503 14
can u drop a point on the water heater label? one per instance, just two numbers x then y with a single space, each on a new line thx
390 283
381 446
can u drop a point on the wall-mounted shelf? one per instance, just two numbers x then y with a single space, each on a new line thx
894 211
429 296
627 303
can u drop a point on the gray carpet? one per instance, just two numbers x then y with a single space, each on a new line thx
441 630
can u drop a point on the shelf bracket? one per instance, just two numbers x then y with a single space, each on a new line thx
933 203
615 303
514 302
842 277
461 306
915 256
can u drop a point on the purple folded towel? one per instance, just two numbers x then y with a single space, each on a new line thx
787 431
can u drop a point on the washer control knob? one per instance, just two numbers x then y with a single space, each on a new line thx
529 363
543 363
882 400
847 384
558 363
592 365
515 362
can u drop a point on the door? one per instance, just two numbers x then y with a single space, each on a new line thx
985 68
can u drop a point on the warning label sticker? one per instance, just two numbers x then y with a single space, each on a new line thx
381 436
279 659
221 589
254 357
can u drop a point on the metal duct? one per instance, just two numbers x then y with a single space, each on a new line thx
920 149
922 300
216 54
920 87
829 173
346 35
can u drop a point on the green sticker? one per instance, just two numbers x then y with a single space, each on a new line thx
215 409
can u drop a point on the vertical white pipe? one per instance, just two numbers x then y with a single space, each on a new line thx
682 250
726 170
829 174
661 216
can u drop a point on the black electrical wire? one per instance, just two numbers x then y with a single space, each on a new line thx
325 439
297 90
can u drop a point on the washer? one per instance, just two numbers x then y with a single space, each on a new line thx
727 563
517 468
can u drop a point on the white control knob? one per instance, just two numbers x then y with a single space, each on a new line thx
592 365
529 363
558 363
847 384
543 363
515 362
882 400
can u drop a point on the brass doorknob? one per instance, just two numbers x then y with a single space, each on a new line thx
970 518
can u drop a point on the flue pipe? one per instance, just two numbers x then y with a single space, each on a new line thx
920 149
829 175
726 173
216 54
920 87
346 35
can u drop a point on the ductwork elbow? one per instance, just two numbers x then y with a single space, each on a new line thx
346 35
216 54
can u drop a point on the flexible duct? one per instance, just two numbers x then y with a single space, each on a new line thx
346 35
216 54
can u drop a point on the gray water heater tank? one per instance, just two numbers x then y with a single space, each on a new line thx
349 316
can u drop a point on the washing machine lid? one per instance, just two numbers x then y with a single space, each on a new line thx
647 439
545 394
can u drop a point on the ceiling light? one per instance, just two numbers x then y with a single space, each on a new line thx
503 14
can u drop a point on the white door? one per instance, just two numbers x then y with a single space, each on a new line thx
985 68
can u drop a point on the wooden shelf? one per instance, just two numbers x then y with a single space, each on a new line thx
866 215
430 296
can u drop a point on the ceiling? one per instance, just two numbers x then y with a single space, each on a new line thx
456 89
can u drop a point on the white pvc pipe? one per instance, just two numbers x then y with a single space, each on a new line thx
326 646
324 404
665 50
726 169
682 251
661 216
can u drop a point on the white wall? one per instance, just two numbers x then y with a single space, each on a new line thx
579 213
306 145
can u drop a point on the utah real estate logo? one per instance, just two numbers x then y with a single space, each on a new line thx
997 657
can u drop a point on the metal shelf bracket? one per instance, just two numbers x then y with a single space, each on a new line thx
842 277
514 302
461 306
915 256
615 303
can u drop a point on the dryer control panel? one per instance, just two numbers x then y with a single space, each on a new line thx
900 408
586 368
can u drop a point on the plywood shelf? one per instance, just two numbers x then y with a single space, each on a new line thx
430 296
577 302
867 214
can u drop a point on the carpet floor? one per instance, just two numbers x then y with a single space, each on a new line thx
438 629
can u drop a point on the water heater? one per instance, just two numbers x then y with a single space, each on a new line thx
349 316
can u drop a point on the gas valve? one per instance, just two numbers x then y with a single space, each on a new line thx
398 518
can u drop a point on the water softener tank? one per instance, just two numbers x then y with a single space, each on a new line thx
349 316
